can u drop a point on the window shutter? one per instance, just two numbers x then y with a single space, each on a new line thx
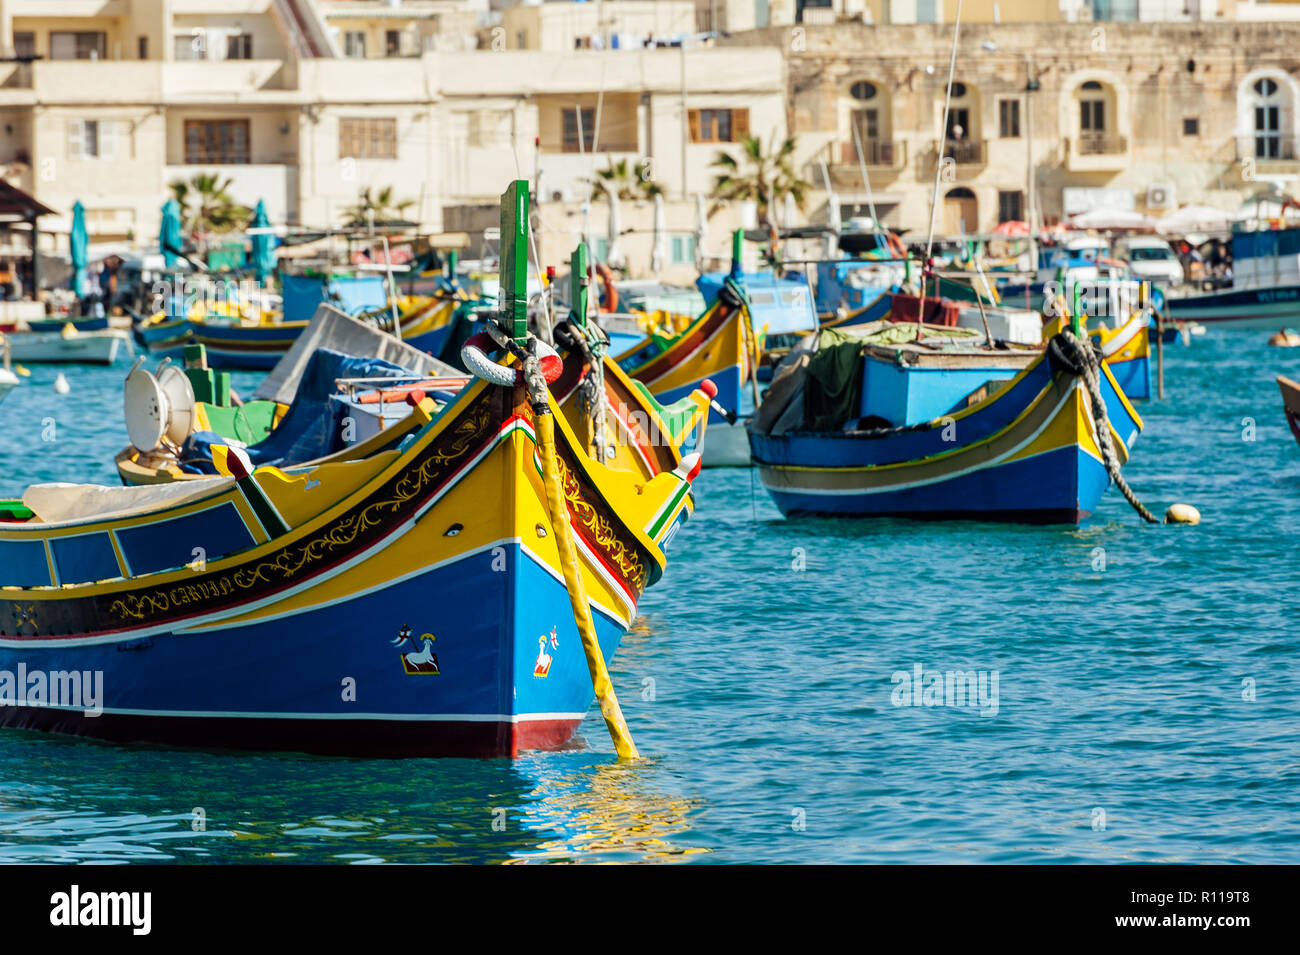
693 116
739 124
107 139
76 139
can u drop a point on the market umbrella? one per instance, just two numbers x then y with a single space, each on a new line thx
79 243
1012 228
658 251
614 257
169 233
832 237
262 254
1194 219
1103 219
701 231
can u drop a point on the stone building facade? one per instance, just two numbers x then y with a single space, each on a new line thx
1145 116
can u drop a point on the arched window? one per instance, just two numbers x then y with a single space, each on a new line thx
959 114
869 122
1267 119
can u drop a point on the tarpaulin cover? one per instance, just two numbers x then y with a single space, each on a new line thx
310 428
905 308
833 386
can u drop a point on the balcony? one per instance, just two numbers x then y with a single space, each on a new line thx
1101 144
1096 152
883 158
1268 155
876 154
965 157
965 152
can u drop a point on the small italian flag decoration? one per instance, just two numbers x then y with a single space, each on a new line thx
235 463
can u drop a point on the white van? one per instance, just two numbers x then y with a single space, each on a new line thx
1151 259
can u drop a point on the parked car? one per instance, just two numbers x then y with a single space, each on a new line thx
1151 259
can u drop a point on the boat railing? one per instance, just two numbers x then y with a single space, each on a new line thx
351 386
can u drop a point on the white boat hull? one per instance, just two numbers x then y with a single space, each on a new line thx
92 348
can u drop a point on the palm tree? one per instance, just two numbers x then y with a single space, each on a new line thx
206 204
625 180
766 178
381 206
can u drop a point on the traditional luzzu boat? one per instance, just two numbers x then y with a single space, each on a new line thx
1127 352
232 343
941 428
1291 403
299 610
719 346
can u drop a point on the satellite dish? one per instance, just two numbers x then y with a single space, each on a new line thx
144 405
179 418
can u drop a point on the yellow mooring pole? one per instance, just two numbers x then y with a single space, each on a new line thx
600 681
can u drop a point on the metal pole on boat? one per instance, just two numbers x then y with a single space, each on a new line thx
866 182
392 291
1145 301
943 140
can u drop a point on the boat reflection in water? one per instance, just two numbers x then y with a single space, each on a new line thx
601 812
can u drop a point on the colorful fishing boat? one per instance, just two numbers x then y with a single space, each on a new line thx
299 610
939 429
1291 403
249 345
719 346
1127 352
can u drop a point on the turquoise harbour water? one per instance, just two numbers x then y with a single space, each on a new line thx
760 693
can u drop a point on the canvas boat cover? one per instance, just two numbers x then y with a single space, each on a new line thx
312 427
58 502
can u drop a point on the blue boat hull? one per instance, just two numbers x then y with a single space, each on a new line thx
286 687
1026 454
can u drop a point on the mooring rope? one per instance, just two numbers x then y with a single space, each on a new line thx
1085 362
591 343
568 554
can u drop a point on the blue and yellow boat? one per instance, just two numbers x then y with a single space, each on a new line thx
429 598
939 430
